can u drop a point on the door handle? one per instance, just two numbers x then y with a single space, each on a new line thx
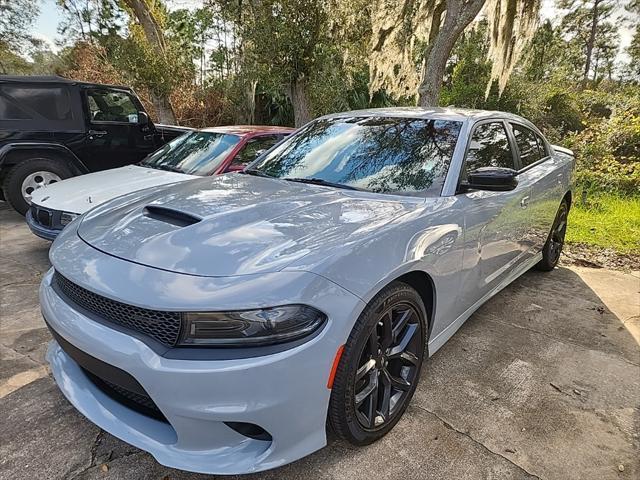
97 133
524 203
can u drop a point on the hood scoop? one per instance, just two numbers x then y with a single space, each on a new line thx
171 216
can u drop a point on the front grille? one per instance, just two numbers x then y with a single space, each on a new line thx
43 216
111 380
136 401
163 327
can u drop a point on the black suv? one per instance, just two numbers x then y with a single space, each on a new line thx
52 128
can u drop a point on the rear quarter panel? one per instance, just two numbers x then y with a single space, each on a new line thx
553 178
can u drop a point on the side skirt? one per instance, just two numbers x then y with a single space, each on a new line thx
447 333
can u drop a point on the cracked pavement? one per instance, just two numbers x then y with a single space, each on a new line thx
542 382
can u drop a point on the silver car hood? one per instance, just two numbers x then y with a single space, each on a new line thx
236 224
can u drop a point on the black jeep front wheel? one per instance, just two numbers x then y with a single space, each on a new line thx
30 175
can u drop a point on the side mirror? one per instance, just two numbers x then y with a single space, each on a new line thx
497 179
143 119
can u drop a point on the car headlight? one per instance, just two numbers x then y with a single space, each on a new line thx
68 217
250 327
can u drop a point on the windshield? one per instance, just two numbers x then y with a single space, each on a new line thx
195 153
379 154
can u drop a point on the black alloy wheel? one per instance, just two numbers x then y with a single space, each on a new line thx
387 366
380 366
555 242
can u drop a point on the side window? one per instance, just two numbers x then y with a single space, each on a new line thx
542 146
111 106
45 103
11 111
530 145
253 148
489 147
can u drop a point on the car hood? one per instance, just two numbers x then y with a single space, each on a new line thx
236 224
82 193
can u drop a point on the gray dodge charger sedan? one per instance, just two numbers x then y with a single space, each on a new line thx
223 323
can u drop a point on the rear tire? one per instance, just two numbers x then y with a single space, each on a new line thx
555 241
380 366
29 175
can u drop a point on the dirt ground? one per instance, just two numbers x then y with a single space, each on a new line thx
581 255
542 382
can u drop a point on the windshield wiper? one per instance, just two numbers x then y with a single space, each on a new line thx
314 181
320 181
257 173
168 168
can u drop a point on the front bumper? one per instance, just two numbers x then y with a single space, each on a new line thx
42 231
284 393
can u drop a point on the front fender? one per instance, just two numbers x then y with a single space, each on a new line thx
429 240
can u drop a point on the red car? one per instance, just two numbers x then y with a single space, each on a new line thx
208 151
254 139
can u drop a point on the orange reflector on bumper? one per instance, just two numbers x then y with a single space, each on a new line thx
334 367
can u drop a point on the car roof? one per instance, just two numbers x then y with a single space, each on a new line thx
439 113
53 79
243 130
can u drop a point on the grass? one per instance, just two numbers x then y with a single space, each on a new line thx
607 221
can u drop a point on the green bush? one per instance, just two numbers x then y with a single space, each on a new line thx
608 149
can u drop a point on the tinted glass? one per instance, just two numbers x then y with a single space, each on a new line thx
379 154
253 148
195 153
49 103
489 147
529 144
542 146
11 111
111 106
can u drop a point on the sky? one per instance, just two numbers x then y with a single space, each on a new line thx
46 26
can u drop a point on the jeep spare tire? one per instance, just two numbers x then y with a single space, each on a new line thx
29 175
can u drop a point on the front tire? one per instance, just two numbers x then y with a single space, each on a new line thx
380 366
553 246
29 175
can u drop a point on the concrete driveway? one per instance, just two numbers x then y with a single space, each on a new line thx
542 382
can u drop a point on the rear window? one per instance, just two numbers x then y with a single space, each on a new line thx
38 107
530 145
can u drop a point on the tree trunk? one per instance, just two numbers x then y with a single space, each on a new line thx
434 65
251 101
202 55
152 30
591 42
458 15
155 38
164 111
300 101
